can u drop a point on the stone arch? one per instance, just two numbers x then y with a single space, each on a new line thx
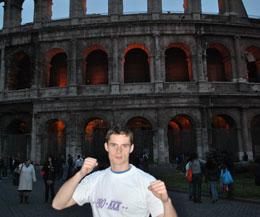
57 72
255 135
181 137
96 67
224 135
252 55
178 63
219 66
54 139
136 64
20 73
94 138
17 138
143 138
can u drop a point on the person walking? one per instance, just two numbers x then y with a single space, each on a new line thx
48 172
196 177
26 179
212 174
122 190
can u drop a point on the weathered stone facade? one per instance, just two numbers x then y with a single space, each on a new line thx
198 99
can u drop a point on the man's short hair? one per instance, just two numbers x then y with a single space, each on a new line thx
120 131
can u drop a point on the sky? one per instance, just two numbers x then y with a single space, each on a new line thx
61 8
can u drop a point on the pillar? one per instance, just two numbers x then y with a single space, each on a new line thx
43 11
114 71
232 8
193 7
115 7
12 13
154 6
77 8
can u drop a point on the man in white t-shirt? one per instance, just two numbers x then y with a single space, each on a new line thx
122 190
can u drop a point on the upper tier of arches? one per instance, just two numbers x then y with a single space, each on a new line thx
20 12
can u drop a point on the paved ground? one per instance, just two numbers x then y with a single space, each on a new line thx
10 207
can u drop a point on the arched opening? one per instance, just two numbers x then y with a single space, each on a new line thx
134 6
57 72
20 74
253 64
97 68
99 7
255 133
136 66
210 6
224 136
94 139
181 137
176 65
55 141
17 141
143 139
170 6
59 9
28 11
218 63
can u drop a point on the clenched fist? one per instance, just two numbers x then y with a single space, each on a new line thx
158 188
88 165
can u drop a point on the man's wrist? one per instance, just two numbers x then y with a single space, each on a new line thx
168 201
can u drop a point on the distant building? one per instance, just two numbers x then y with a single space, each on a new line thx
182 81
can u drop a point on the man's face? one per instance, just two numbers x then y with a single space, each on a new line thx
119 147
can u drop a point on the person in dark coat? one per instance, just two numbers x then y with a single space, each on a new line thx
48 172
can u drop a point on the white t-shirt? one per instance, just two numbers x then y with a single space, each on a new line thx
119 194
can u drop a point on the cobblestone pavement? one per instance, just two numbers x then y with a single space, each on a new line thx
10 207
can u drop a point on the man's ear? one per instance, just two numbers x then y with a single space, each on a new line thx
132 148
106 147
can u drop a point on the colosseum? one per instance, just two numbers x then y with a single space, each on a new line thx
181 81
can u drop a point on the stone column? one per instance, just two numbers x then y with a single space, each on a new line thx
246 144
158 71
72 68
193 7
77 8
115 69
2 67
163 153
202 133
43 11
72 139
33 139
154 6
115 7
232 8
12 13
239 66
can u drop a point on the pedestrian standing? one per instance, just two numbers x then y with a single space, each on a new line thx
48 172
26 179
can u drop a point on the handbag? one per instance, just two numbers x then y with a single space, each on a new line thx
49 182
189 175
16 176
226 177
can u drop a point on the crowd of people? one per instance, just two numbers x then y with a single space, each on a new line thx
217 170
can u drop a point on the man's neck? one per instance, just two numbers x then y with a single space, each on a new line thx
120 168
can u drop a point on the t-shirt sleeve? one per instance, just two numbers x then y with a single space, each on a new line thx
82 193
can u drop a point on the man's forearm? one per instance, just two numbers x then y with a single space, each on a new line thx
63 198
169 210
